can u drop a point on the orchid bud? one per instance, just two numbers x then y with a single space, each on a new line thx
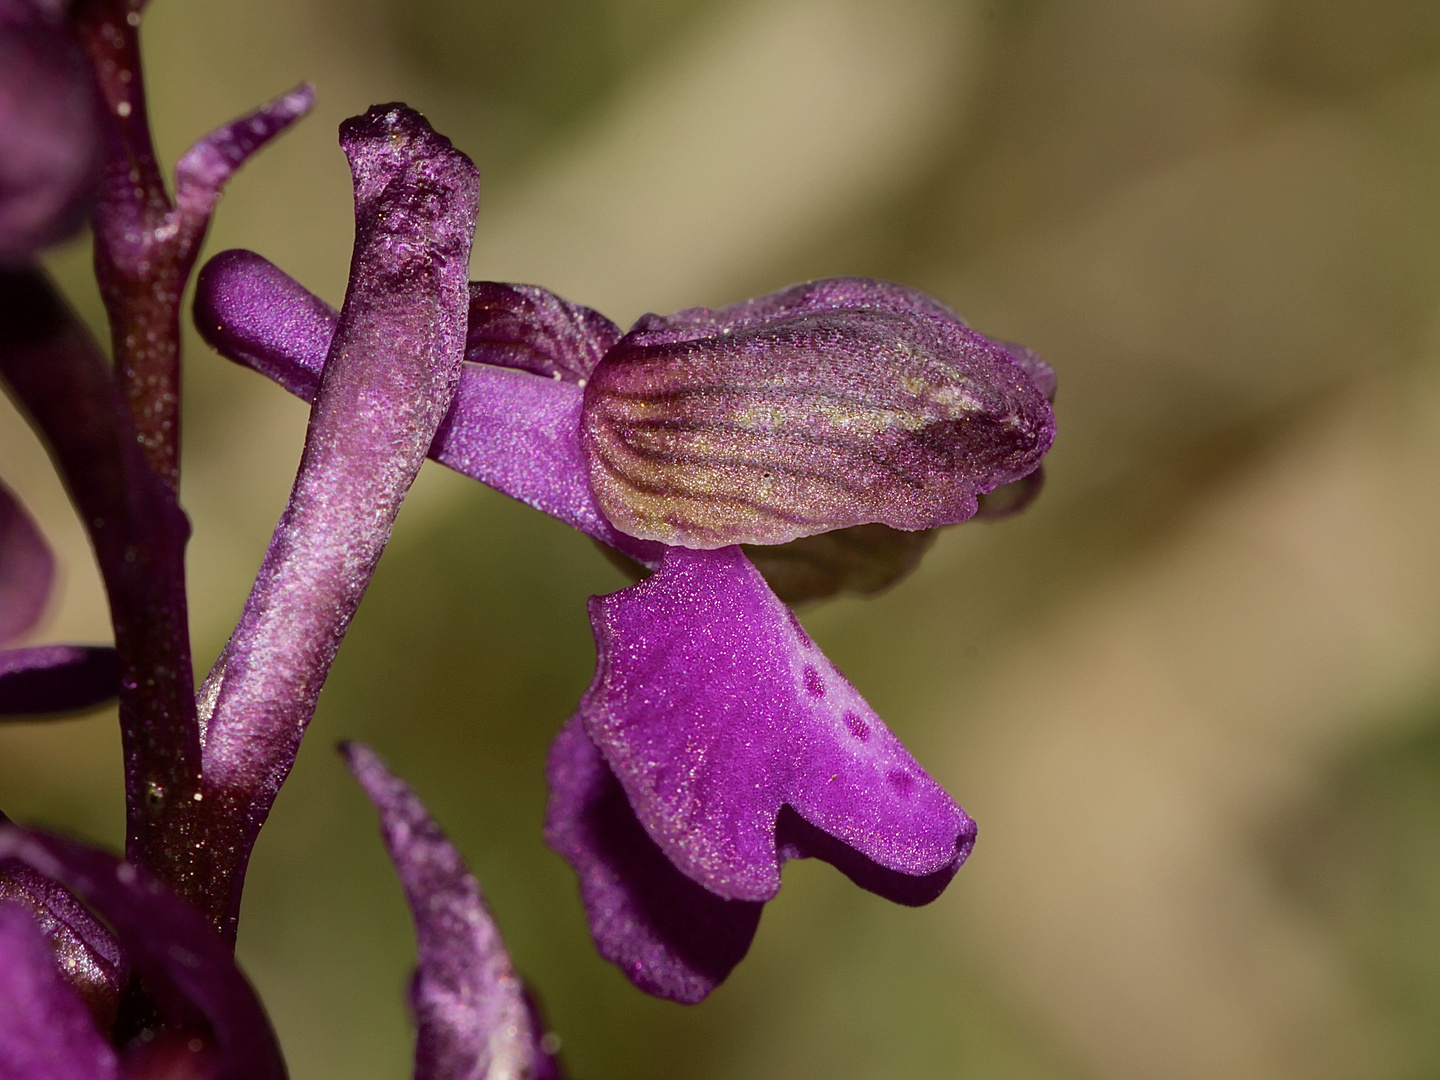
828 405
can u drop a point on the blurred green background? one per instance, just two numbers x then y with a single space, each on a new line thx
1192 696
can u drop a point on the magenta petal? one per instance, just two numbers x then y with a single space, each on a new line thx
471 1010
27 569
511 429
1040 372
45 679
670 936
184 963
46 1033
715 710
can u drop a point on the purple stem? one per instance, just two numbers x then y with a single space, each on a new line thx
57 373
145 246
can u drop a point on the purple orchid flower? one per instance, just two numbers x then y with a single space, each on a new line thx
716 741
40 680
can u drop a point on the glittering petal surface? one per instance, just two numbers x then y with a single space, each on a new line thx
669 935
46 1033
532 329
49 128
509 428
714 710
57 679
26 569
391 375
1040 372
185 965
252 312
828 405
471 1011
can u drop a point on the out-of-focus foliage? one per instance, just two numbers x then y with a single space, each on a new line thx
1179 693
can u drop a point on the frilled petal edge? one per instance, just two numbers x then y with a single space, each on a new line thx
670 936
715 710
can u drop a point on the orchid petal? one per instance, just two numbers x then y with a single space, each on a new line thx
510 429
50 118
27 569
57 679
1040 372
391 375
780 419
184 963
715 710
45 1031
532 329
1009 499
670 936
472 1014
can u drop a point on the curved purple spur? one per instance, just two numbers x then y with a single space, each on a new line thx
716 741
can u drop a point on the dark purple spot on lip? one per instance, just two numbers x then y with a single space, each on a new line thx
814 685
901 780
795 625
856 723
